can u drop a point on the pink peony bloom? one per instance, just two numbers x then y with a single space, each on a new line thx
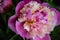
4 5
34 20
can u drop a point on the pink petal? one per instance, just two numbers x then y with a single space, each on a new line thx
38 1
45 4
21 31
26 1
29 14
18 7
47 37
11 23
56 16
21 4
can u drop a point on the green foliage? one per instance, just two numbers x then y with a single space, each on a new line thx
55 35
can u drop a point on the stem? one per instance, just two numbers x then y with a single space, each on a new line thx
13 37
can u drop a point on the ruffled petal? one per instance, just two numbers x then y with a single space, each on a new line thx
47 37
29 14
26 1
11 23
45 4
56 16
21 4
21 31
18 7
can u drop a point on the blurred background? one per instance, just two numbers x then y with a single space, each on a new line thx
7 34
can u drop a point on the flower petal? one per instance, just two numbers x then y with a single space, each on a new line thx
29 14
38 1
56 16
21 4
11 23
26 1
45 4
47 37
21 31
18 7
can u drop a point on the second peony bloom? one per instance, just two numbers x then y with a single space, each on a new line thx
34 20
5 5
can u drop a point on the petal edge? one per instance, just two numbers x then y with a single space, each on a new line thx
11 23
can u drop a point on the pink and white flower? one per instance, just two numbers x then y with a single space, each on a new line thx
34 20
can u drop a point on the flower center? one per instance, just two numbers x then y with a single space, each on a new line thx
38 21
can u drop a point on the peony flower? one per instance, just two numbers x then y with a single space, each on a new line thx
34 20
4 5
